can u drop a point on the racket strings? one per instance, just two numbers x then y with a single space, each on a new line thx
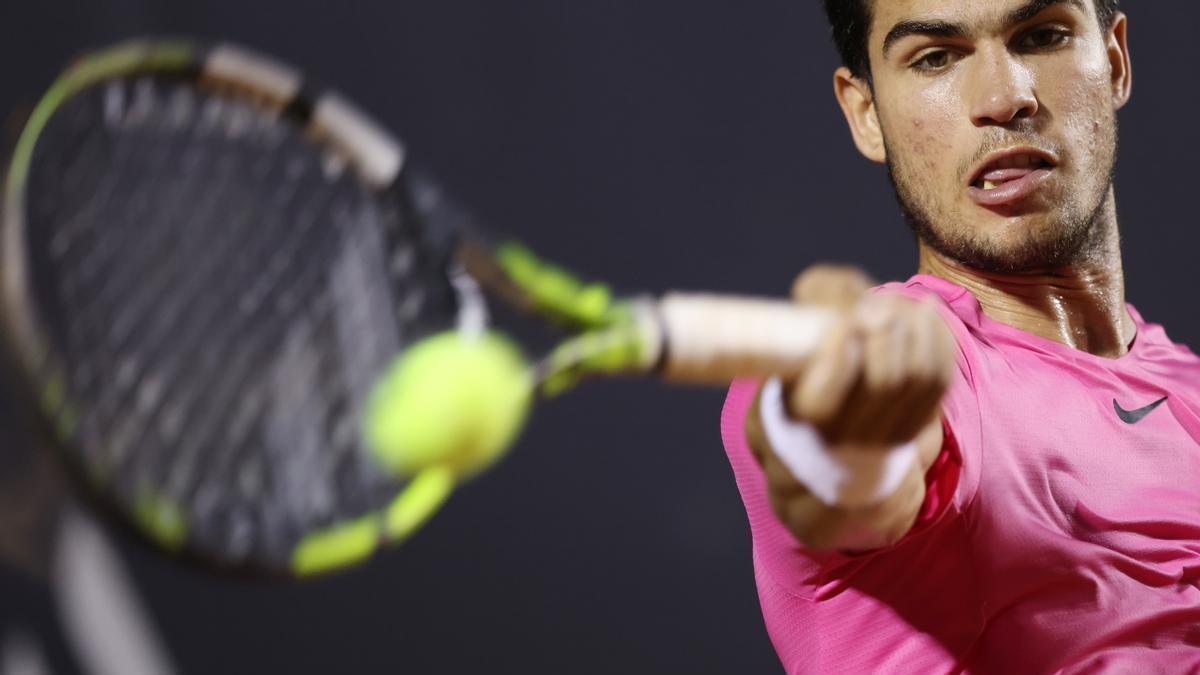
146 317
166 258
127 420
220 357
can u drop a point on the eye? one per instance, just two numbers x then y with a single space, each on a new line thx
1044 38
934 61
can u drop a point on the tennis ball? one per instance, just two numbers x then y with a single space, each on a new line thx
450 400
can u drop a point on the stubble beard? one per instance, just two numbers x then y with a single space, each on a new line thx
1079 233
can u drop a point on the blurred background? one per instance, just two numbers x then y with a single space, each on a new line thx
653 144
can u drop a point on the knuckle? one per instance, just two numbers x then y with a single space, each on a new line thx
884 368
872 312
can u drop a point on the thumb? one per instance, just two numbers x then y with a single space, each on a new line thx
835 286
836 366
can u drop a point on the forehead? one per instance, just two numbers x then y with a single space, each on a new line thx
978 14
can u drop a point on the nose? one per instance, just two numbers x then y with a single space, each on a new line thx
1003 90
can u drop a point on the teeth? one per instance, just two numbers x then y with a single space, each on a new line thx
988 185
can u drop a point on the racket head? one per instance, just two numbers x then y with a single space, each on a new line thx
206 263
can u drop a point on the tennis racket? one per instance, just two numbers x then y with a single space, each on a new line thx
211 271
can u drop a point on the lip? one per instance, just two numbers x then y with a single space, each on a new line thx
1013 190
1010 192
1047 157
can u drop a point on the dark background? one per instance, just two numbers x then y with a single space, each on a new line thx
657 145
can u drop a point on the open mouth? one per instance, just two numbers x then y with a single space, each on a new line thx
1010 177
1007 169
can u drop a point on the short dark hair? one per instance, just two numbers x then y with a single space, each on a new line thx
851 23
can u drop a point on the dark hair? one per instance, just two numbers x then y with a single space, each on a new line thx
851 22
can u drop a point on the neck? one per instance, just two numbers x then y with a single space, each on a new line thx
1080 304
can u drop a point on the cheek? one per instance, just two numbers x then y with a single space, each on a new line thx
1083 100
926 130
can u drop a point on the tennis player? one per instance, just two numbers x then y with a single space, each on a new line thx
993 467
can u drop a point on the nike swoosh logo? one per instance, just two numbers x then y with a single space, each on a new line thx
1135 416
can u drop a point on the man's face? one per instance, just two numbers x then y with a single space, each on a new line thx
999 122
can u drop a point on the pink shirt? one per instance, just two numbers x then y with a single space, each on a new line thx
1055 537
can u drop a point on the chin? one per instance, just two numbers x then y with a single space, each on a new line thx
1009 245
1017 231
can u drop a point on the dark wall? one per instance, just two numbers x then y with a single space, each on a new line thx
686 144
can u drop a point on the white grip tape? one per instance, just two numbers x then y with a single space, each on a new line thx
712 339
847 476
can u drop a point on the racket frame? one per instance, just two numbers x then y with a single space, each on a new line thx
375 155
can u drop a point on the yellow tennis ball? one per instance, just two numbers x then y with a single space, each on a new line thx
450 400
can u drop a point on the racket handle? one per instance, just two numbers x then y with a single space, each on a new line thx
712 339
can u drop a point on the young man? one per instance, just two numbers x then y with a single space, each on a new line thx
995 466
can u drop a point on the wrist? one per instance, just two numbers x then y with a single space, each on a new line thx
846 475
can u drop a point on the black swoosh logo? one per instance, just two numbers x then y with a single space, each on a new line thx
1135 416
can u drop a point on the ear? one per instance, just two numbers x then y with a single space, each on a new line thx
1117 46
858 105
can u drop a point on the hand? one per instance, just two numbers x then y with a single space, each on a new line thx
878 378
876 381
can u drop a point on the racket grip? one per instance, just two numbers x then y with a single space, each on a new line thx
712 339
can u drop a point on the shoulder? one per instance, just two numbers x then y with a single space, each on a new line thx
1153 343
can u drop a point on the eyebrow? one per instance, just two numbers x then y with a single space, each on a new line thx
946 29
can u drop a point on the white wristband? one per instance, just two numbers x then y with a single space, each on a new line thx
849 476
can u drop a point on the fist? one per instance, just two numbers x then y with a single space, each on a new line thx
879 376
